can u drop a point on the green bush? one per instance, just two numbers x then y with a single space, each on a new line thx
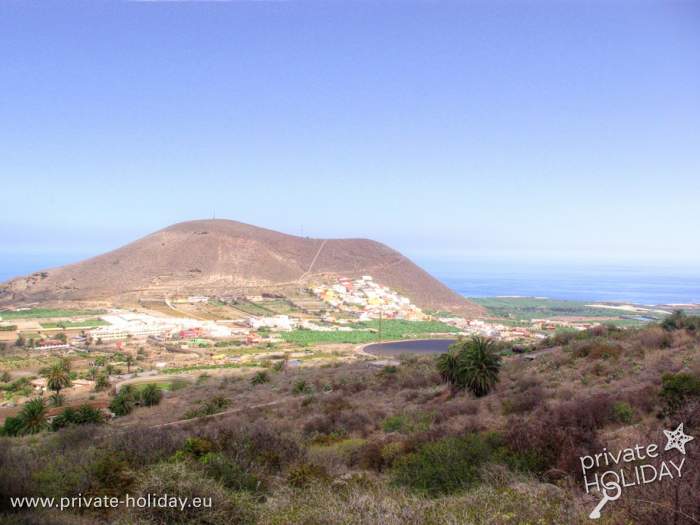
197 446
221 507
623 412
259 378
418 422
151 395
230 474
85 414
302 387
12 426
209 407
123 403
304 474
677 389
444 466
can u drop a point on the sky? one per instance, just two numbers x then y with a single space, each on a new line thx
452 131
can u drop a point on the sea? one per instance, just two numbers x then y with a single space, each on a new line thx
637 284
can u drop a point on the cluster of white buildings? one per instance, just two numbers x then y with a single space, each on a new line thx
371 298
276 322
124 324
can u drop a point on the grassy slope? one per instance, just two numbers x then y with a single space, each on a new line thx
330 451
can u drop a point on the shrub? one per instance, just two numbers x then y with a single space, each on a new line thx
553 438
596 349
303 474
230 474
85 414
623 412
417 422
11 427
220 507
123 403
444 466
302 387
259 378
677 389
197 447
102 382
151 395
523 402
209 407
111 474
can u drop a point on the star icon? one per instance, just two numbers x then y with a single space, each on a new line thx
677 439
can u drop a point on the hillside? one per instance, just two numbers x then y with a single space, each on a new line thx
227 257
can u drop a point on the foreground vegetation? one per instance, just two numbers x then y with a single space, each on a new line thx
350 444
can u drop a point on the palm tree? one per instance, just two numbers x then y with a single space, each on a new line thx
472 364
129 362
151 394
449 365
33 416
481 366
57 378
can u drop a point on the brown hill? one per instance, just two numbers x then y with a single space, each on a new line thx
227 258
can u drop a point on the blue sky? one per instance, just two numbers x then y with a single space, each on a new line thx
453 131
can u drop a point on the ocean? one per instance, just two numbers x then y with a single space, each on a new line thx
639 285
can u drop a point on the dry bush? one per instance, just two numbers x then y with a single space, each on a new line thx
524 401
226 508
457 406
671 501
554 438
144 446
363 501
654 337
267 445
596 349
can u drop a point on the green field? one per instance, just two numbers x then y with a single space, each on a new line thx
87 323
172 386
527 308
368 332
45 313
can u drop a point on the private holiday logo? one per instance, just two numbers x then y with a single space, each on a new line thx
633 466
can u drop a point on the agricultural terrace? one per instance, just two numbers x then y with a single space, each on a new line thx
45 313
368 331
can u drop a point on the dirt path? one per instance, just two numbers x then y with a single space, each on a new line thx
313 261
225 413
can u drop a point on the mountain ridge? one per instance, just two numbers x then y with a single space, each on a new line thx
219 256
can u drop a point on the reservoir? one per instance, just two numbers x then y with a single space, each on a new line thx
420 346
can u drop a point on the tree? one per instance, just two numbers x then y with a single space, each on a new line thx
473 364
123 403
151 395
102 382
129 362
675 321
449 365
57 379
20 342
33 416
